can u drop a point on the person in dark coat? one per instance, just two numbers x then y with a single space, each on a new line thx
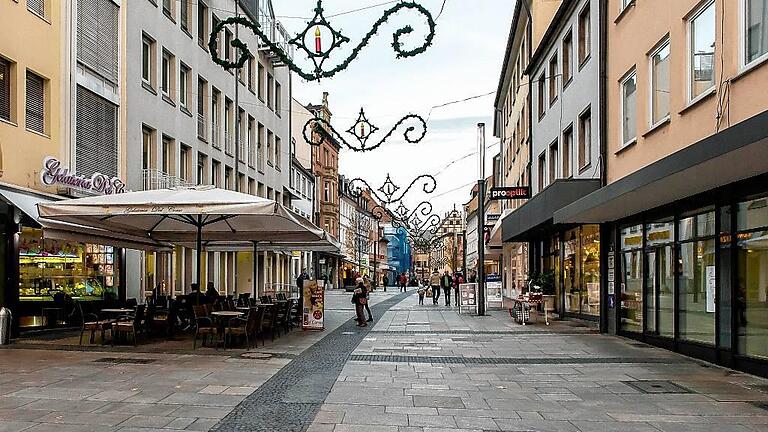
446 281
360 299
211 292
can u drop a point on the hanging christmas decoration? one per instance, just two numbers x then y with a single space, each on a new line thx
318 27
362 130
388 194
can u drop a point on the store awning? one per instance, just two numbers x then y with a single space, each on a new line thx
735 154
27 200
495 239
523 223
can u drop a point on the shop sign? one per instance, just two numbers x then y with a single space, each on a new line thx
296 253
492 218
54 173
515 192
313 317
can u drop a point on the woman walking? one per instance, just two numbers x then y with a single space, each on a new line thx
360 300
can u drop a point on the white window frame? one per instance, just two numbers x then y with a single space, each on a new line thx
743 64
150 57
625 4
663 43
630 74
689 54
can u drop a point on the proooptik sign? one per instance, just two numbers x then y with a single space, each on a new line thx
53 173
516 192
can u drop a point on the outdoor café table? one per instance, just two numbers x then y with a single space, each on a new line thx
223 318
117 311
519 312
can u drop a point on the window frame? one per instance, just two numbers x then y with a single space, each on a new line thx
663 43
542 95
554 160
744 64
566 154
151 59
202 30
567 54
44 103
624 143
583 57
690 18
553 67
9 87
586 150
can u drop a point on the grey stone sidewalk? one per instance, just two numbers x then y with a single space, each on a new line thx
428 369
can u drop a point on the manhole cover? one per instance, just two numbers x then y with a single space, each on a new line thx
256 355
657 387
125 360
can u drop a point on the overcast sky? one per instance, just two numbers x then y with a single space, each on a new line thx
464 61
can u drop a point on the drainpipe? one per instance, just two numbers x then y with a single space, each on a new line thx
603 91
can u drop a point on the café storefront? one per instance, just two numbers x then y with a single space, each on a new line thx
684 249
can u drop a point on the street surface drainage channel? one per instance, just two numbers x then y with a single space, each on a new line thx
657 387
508 360
125 360
289 401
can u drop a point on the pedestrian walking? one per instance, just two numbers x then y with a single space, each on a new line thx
386 282
403 282
458 279
360 300
445 283
422 292
434 283
368 289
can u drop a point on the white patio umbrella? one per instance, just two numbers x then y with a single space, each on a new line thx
184 215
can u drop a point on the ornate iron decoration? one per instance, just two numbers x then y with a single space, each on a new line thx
387 194
316 53
362 130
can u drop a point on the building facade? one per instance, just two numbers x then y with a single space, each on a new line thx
183 128
683 212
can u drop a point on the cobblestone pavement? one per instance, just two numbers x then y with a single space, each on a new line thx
63 390
429 369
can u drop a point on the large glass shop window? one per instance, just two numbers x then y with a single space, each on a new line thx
697 277
660 277
631 278
590 270
48 267
751 302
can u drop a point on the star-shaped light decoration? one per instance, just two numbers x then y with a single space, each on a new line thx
362 129
314 30
401 211
389 188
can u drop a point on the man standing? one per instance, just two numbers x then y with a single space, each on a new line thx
403 282
446 282
300 280
458 279
434 283
386 282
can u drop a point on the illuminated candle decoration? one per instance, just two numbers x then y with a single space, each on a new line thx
318 41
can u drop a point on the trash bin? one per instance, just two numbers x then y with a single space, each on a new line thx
5 326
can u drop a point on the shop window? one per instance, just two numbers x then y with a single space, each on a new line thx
631 279
696 290
701 33
751 300
660 277
581 270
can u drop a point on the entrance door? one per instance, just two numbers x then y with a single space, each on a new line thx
659 282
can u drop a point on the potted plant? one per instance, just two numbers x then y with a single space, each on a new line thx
546 281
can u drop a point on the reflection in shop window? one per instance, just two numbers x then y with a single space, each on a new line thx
631 281
751 300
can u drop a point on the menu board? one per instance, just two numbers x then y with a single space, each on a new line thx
493 294
313 308
468 297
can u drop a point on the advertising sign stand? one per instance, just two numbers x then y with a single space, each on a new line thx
313 307
468 298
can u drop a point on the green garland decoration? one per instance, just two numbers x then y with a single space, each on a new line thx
319 59
413 134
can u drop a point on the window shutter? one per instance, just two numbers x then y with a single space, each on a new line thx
35 103
5 90
97 31
96 135
37 6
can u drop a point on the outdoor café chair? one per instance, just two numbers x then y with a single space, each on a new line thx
90 322
242 326
203 324
131 326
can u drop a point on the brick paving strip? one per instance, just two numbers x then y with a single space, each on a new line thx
290 400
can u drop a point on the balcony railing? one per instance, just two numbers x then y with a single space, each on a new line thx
201 132
277 34
154 179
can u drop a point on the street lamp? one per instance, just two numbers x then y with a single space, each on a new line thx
481 220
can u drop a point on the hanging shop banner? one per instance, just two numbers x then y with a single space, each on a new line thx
54 173
314 306
514 192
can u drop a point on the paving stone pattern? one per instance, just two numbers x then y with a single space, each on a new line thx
290 400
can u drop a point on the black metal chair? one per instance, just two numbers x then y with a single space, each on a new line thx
204 325
90 322
132 326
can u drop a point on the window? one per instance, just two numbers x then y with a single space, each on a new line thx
168 72
542 170
147 148
5 89
585 35
660 77
278 98
202 169
260 148
261 82
184 14
553 79
278 152
185 162
96 148
542 94
148 61
167 155
37 7
270 91
251 75
756 30
625 4
228 179
202 94
702 51
168 8
567 58
270 142
97 37
251 139
227 45
184 85
585 139
214 25
215 118
327 192
697 276
228 138
216 173
631 279
629 109
553 162
35 103
567 151
202 25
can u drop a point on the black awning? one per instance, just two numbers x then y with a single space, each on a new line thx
735 154
524 223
